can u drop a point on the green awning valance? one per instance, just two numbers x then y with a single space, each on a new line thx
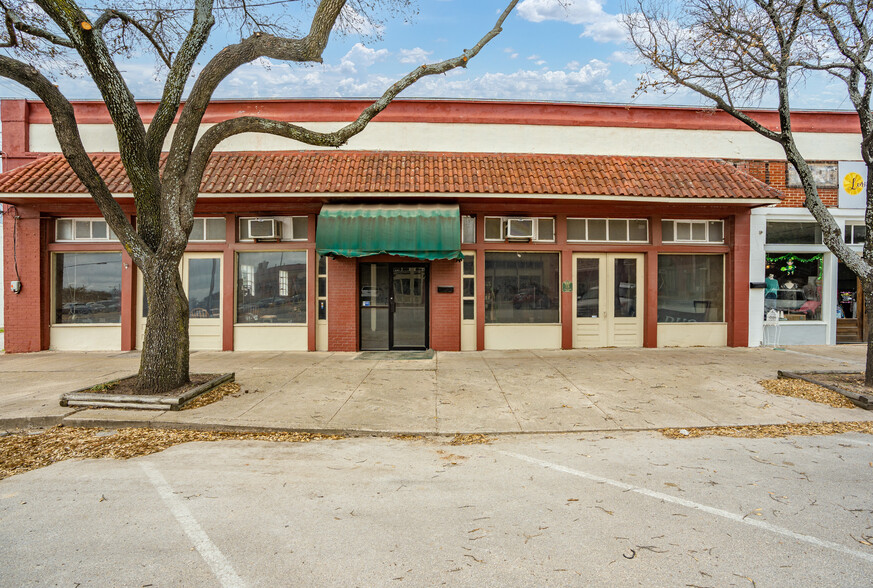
419 231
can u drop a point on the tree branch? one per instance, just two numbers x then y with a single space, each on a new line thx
178 77
112 14
143 173
231 57
14 20
221 131
67 131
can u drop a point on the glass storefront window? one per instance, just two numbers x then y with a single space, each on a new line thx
793 233
522 287
204 288
271 287
87 288
690 288
793 286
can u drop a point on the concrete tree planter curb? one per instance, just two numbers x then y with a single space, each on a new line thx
83 398
860 400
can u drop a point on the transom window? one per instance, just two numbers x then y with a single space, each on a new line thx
855 234
692 231
625 230
208 229
83 229
793 233
501 228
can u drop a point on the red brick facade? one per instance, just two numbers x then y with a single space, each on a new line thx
342 304
27 314
445 308
775 174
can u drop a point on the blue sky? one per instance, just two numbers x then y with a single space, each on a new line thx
572 50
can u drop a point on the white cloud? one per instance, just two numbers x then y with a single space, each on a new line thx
361 56
572 11
597 24
626 57
416 55
533 57
606 30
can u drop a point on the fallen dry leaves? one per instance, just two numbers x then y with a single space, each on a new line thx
470 439
214 395
762 431
21 452
807 391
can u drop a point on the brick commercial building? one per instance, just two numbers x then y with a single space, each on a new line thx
452 225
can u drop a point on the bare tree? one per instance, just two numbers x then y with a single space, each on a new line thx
45 30
736 52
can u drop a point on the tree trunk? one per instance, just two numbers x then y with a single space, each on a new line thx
164 362
868 316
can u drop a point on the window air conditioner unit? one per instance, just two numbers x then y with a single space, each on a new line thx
264 229
519 228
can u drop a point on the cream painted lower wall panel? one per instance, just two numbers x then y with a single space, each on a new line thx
270 338
204 337
321 336
693 335
522 336
85 338
468 336
627 332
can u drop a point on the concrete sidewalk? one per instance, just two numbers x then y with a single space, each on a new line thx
475 392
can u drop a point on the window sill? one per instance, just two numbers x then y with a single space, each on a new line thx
73 325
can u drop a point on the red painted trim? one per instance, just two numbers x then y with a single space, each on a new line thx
228 303
128 302
650 305
567 302
311 287
479 248
479 112
738 281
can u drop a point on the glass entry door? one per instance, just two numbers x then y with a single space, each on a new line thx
393 305
201 277
609 300
851 321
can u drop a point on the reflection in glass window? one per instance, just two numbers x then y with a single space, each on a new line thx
792 285
588 287
468 229
87 288
263 295
522 287
794 233
690 288
204 288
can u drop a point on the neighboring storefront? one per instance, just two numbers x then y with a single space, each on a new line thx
816 299
455 248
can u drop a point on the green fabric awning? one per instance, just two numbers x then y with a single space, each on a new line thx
420 231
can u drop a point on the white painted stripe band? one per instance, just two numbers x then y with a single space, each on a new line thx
696 506
204 546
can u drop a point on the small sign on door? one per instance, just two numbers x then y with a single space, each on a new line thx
567 286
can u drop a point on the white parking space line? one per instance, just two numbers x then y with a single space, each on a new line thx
824 357
207 549
696 506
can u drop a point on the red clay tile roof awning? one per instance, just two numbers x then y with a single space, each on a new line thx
338 172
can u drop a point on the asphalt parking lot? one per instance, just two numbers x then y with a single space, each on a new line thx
580 509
